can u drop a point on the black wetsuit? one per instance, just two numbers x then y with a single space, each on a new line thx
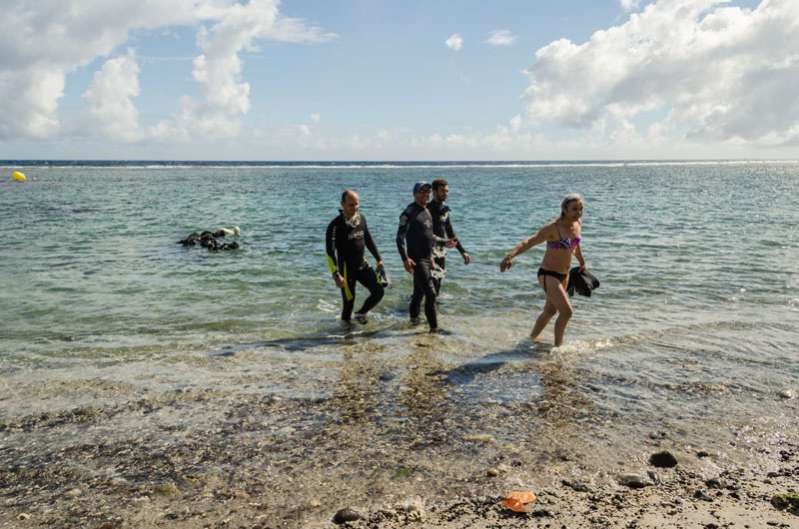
345 242
442 228
415 239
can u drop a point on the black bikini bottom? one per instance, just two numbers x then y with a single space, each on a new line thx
543 272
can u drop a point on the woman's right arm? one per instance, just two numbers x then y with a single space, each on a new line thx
523 246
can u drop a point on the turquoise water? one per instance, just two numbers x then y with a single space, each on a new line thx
698 306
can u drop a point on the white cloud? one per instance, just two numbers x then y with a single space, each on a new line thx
112 113
44 40
630 5
501 37
516 123
703 71
49 41
297 31
218 69
455 42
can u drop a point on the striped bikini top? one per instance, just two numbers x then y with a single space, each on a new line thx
564 243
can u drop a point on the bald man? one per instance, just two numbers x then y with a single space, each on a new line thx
347 236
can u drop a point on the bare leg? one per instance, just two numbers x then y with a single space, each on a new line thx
543 318
557 297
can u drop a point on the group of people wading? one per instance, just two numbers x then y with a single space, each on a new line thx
425 233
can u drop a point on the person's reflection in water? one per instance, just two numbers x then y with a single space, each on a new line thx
423 394
560 412
357 394
564 410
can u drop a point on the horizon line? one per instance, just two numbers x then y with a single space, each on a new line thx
11 161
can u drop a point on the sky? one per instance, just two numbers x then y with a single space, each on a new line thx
399 80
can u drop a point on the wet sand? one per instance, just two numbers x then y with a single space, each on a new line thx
404 442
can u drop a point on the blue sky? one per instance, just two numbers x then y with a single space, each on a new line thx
369 79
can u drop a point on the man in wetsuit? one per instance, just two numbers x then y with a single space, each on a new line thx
415 241
442 228
346 237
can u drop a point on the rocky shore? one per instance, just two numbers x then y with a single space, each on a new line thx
397 456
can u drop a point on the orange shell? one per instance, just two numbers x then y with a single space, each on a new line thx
517 500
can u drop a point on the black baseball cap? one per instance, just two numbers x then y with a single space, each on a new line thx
421 186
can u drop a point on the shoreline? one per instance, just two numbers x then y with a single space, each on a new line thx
208 458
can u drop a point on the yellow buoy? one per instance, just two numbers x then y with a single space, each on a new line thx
19 177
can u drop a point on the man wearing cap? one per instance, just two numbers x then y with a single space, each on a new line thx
442 228
415 241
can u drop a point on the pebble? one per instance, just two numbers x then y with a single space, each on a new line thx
23 516
413 504
481 438
702 454
346 515
166 489
634 481
578 486
701 495
73 493
663 459
788 394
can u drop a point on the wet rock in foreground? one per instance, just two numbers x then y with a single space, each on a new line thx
346 515
786 502
663 459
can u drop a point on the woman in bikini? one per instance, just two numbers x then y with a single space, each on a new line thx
562 236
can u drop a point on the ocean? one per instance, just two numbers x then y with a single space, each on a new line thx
695 322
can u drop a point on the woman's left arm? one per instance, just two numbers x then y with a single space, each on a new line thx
578 252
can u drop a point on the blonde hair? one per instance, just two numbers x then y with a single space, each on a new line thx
568 199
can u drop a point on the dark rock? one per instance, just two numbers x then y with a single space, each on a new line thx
701 495
634 481
701 454
711 525
786 502
346 515
578 486
713 483
663 460
385 377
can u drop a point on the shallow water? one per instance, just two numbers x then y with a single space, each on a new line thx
695 321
